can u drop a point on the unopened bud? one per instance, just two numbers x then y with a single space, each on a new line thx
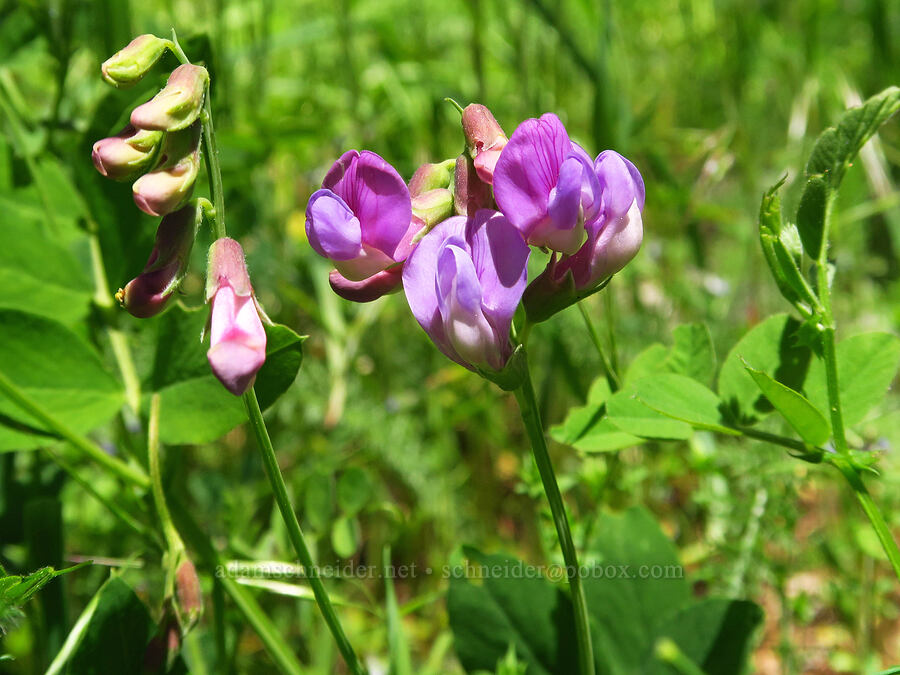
432 176
470 193
237 338
170 184
178 104
128 154
129 65
148 294
433 206
485 139
190 599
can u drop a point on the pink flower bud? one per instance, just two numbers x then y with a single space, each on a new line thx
178 104
237 338
485 139
148 294
129 65
170 184
431 177
127 155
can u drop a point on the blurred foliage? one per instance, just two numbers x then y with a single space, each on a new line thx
383 441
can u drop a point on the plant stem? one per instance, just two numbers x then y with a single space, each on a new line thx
532 421
872 512
37 411
279 490
173 539
612 377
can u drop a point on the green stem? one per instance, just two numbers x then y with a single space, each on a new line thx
212 150
873 513
532 420
270 461
173 539
37 411
612 377
784 442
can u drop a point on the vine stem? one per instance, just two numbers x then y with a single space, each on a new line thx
276 479
531 418
612 377
843 461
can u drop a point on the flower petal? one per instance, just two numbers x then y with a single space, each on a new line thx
620 182
332 229
528 169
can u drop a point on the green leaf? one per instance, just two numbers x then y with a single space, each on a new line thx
194 406
59 371
714 633
811 215
16 590
399 647
354 489
515 606
650 361
683 399
799 413
770 346
40 276
867 364
318 502
837 146
636 593
605 436
110 636
692 353
631 415
345 536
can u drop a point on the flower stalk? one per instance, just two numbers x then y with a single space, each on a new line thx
531 418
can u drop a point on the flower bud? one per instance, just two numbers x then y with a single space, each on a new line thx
190 599
128 154
129 65
431 177
149 293
178 104
485 139
237 337
433 206
170 184
470 193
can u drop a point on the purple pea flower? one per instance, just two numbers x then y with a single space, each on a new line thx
463 282
362 221
545 185
615 236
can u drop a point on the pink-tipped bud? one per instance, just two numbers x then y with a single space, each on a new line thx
129 65
431 177
485 139
237 337
470 193
189 604
178 104
149 293
128 154
169 186
433 206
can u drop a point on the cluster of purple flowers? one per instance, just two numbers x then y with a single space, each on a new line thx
458 240
160 151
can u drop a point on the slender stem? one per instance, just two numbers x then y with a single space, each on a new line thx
829 355
612 377
279 489
872 512
532 420
173 539
784 442
37 411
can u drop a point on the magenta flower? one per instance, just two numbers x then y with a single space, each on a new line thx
361 219
615 235
463 282
545 185
148 294
237 339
